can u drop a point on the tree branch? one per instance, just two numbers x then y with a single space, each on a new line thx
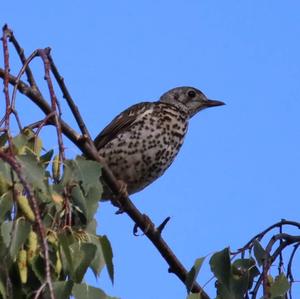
83 143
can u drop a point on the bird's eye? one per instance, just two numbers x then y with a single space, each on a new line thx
191 94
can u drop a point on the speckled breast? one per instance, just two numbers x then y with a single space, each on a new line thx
143 152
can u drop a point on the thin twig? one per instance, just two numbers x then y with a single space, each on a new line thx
6 118
21 72
289 273
39 291
68 98
43 53
260 235
23 59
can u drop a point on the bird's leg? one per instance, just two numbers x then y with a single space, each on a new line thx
117 199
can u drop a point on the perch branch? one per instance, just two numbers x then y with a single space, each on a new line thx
90 151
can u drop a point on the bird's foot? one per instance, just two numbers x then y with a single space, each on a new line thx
148 224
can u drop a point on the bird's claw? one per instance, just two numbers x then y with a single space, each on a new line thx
148 224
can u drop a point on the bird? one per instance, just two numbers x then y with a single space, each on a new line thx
140 143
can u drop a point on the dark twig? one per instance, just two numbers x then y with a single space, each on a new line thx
260 235
289 273
68 98
23 59
6 118
286 240
21 72
280 265
43 53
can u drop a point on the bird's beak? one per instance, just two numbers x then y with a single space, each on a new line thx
213 103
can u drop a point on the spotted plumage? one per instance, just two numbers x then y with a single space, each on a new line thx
142 141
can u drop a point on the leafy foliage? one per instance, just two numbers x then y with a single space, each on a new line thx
235 278
67 205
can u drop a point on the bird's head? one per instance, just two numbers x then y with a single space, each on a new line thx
189 99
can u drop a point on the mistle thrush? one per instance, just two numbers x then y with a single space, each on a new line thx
142 141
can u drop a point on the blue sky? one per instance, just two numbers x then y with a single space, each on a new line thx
238 171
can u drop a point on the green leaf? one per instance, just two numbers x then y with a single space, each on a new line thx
85 172
108 256
20 142
193 273
3 139
79 200
220 266
6 204
33 171
84 291
259 253
46 158
5 174
38 267
83 254
92 200
194 296
6 228
91 227
98 262
2 289
62 289
15 235
65 241
248 270
89 172
280 286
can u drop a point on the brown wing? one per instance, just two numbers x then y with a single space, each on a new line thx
120 123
